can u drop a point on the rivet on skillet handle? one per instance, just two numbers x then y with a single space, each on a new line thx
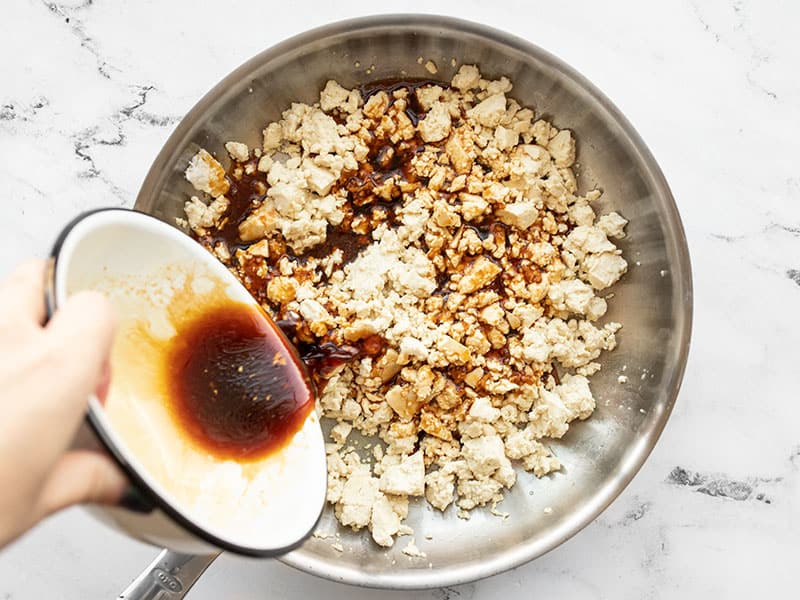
169 577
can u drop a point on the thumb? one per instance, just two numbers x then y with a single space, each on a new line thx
81 332
82 476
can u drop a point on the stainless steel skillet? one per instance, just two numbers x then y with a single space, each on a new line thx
653 301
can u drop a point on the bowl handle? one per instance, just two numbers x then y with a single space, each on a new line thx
169 577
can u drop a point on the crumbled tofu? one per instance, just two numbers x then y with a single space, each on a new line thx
428 94
520 214
207 175
260 223
335 97
238 151
439 489
460 150
376 106
576 396
265 163
473 206
358 496
260 248
436 125
454 352
467 78
319 133
613 225
585 240
313 312
572 296
406 478
411 348
384 521
562 148
282 290
454 258
505 138
201 216
482 410
412 550
478 274
604 269
340 431
319 179
489 112
484 455
478 491
581 213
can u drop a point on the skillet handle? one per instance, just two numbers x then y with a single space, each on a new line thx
169 577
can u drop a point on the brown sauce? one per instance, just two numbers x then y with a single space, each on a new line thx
246 192
385 160
252 279
249 190
236 388
323 357
414 110
554 373
349 242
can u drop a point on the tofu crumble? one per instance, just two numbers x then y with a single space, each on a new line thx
426 248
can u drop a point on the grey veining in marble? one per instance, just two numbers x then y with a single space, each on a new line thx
91 89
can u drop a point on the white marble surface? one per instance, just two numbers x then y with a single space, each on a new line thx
90 91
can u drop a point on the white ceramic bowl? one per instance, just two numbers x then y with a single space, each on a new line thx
139 261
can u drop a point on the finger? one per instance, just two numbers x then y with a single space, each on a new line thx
82 476
22 294
79 336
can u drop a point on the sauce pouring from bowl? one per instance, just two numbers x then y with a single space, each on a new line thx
210 410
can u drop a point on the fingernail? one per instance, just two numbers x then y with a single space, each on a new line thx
101 391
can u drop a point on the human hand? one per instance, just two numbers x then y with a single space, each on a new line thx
47 373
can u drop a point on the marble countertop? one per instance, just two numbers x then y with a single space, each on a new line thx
91 90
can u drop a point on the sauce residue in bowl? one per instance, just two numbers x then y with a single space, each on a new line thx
247 462
234 386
